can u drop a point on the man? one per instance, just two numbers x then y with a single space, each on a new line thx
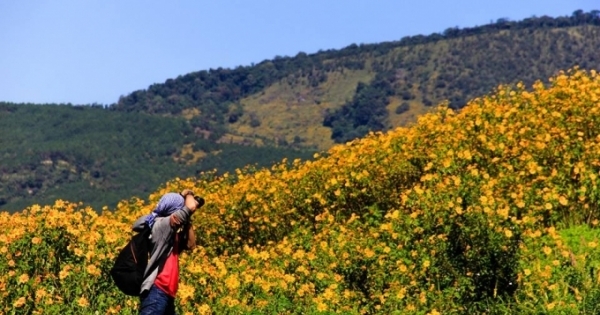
171 233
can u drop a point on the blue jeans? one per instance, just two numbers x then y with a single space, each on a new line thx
156 302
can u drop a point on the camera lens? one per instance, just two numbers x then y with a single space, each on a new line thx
199 200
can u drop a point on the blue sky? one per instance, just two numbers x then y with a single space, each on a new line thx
93 51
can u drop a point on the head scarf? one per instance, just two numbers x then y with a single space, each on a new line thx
168 203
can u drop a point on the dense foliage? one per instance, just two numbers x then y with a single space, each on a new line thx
455 65
84 153
499 218
366 112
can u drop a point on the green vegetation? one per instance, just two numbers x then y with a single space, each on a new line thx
284 107
90 154
366 112
454 66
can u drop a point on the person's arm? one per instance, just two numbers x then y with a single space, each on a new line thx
188 238
139 224
187 235
182 217
165 227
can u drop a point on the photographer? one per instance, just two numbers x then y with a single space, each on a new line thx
171 233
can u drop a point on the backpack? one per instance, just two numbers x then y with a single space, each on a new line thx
130 265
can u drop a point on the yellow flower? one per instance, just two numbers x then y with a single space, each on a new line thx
266 286
556 262
321 307
329 294
93 270
232 282
20 302
508 233
83 302
402 268
401 293
23 278
36 240
422 298
547 250
40 294
186 292
563 201
204 309
300 292
289 278
458 210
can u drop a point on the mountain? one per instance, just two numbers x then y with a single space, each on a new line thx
290 107
316 100
89 154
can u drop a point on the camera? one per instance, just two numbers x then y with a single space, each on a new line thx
199 200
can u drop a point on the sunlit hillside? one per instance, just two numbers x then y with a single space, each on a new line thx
294 112
452 70
314 100
287 106
489 210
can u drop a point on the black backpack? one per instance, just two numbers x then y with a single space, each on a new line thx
130 265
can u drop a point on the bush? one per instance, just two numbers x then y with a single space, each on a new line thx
402 108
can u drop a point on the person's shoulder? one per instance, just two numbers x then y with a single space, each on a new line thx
139 224
173 196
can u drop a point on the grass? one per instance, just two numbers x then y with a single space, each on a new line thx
289 111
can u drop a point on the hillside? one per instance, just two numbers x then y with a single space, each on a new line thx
285 107
99 157
490 210
316 100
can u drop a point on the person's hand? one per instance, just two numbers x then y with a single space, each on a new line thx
174 221
191 203
187 192
191 238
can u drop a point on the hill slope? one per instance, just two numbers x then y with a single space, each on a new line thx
228 118
89 154
490 210
337 95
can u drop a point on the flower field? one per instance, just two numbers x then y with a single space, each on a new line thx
493 210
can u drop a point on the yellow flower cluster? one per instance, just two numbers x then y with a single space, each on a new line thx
458 211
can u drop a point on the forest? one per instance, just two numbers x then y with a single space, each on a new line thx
87 154
454 66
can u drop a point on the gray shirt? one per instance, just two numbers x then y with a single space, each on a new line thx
163 236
